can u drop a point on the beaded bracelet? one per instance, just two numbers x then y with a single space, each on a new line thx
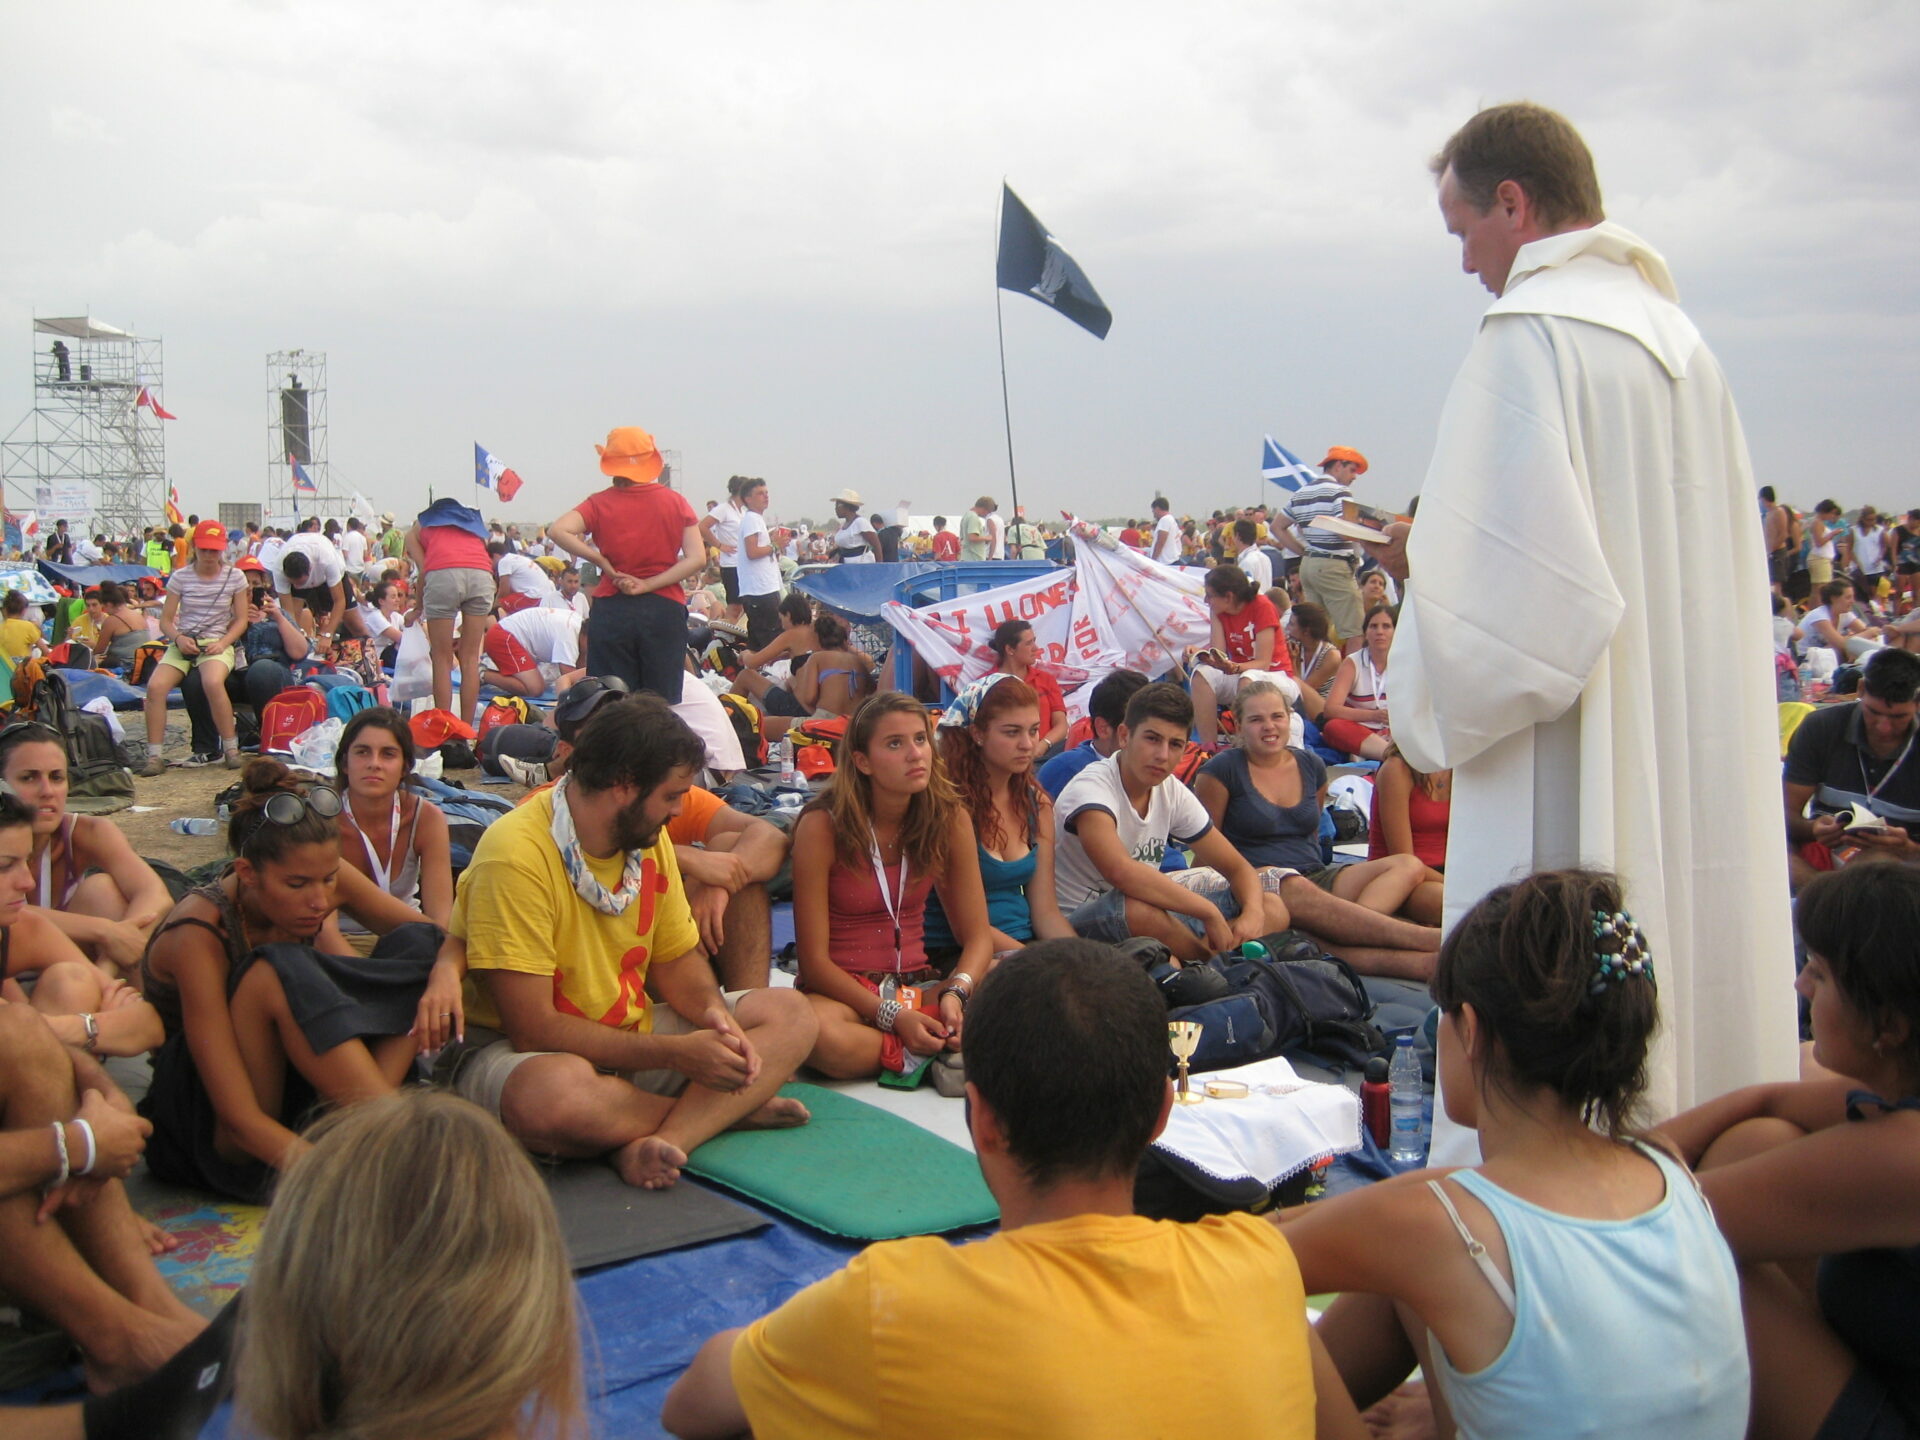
885 1016
60 1145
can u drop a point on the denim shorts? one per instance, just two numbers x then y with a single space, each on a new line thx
1104 917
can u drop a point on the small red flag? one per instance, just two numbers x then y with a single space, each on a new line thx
146 399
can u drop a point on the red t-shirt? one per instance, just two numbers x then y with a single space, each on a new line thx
1243 629
638 528
1132 537
946 545
448 547
1052 702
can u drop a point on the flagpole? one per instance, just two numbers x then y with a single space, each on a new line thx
1000 331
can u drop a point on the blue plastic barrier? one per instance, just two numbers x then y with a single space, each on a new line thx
948 582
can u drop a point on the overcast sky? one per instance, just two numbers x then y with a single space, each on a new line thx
765 231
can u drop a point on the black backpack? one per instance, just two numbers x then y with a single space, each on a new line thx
1299 1002
96 777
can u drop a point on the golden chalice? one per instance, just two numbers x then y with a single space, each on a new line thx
1184 1037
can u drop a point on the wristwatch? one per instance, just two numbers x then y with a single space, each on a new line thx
92 1027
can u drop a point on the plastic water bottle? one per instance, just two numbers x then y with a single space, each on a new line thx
1409 1126
195 827
783 752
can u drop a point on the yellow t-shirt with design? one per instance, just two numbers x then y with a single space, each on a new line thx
517 910
1068 1328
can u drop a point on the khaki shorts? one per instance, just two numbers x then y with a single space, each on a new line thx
447 593
184 663
479 1068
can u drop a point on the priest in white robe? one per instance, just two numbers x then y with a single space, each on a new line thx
1585 640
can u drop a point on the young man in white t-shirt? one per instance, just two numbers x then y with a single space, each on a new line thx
531 649
523 581
1113 821
353 546
1166 533
759 568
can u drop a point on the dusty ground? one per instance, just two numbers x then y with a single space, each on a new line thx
188 793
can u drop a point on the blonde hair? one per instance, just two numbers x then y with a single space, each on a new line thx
848 802
412 1285
1256 690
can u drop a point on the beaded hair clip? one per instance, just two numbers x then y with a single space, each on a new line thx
1627 956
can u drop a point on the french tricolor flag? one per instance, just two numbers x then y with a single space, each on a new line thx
492 473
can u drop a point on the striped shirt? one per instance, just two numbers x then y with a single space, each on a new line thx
1325 499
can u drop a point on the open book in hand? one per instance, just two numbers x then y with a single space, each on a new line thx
1861 820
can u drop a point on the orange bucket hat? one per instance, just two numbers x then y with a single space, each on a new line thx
1341 452
630 452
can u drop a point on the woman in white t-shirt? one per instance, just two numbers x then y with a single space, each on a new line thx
720 528
1834 624
854 542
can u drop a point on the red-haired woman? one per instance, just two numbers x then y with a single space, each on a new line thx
990 739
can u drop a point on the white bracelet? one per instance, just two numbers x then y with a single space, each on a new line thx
86 1133
60 1144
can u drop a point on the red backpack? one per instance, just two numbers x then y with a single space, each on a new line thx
289 715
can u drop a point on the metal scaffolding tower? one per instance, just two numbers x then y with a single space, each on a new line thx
89 452
297 431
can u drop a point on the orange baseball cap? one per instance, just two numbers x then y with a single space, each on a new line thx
1341 452
433 728
209 535
630 452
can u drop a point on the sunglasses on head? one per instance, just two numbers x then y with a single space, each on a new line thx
290 807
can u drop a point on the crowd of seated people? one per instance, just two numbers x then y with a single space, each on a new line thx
952 884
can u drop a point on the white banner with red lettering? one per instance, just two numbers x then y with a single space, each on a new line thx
1113 609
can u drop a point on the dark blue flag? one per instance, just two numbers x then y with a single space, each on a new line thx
1031 263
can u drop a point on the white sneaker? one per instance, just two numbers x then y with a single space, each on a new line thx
524 772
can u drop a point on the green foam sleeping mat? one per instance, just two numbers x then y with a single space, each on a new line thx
852 1170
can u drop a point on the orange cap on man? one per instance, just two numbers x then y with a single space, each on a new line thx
1343 452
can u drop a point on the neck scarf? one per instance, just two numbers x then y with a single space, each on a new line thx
607 902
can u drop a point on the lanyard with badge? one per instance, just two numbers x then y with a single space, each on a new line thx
890 987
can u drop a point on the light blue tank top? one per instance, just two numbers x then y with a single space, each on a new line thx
1620 1327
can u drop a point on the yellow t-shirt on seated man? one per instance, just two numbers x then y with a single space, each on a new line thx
517 910
1070 1327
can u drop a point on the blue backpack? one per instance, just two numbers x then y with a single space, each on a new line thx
346 701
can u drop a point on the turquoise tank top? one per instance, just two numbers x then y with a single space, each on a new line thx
1620 1327
1007 910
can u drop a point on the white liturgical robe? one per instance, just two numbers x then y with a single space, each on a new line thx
1586 644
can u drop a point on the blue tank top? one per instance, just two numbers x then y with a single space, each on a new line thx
1620 1327
1007 910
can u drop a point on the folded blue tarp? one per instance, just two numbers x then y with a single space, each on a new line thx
81 576
89 685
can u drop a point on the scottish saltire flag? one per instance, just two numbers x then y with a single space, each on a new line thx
1032 263
1283 467
491 472
302 482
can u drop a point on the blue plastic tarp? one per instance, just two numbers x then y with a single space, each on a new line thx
89 685
79 577
859 590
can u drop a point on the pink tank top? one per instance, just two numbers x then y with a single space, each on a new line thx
448 547
859 927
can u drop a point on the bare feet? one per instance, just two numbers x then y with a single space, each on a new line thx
1406 1414
782 1112
649 1163
157 1240
149 1342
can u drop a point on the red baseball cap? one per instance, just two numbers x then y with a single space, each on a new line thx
252 563
433 728
209 535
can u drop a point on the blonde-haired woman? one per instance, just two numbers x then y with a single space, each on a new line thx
889 831
425 1202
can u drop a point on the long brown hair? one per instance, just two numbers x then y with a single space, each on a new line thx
968 767
848 801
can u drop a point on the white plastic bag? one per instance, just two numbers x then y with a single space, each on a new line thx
412 665
313 748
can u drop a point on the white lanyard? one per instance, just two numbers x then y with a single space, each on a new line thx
380 871
1873 791
886 893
